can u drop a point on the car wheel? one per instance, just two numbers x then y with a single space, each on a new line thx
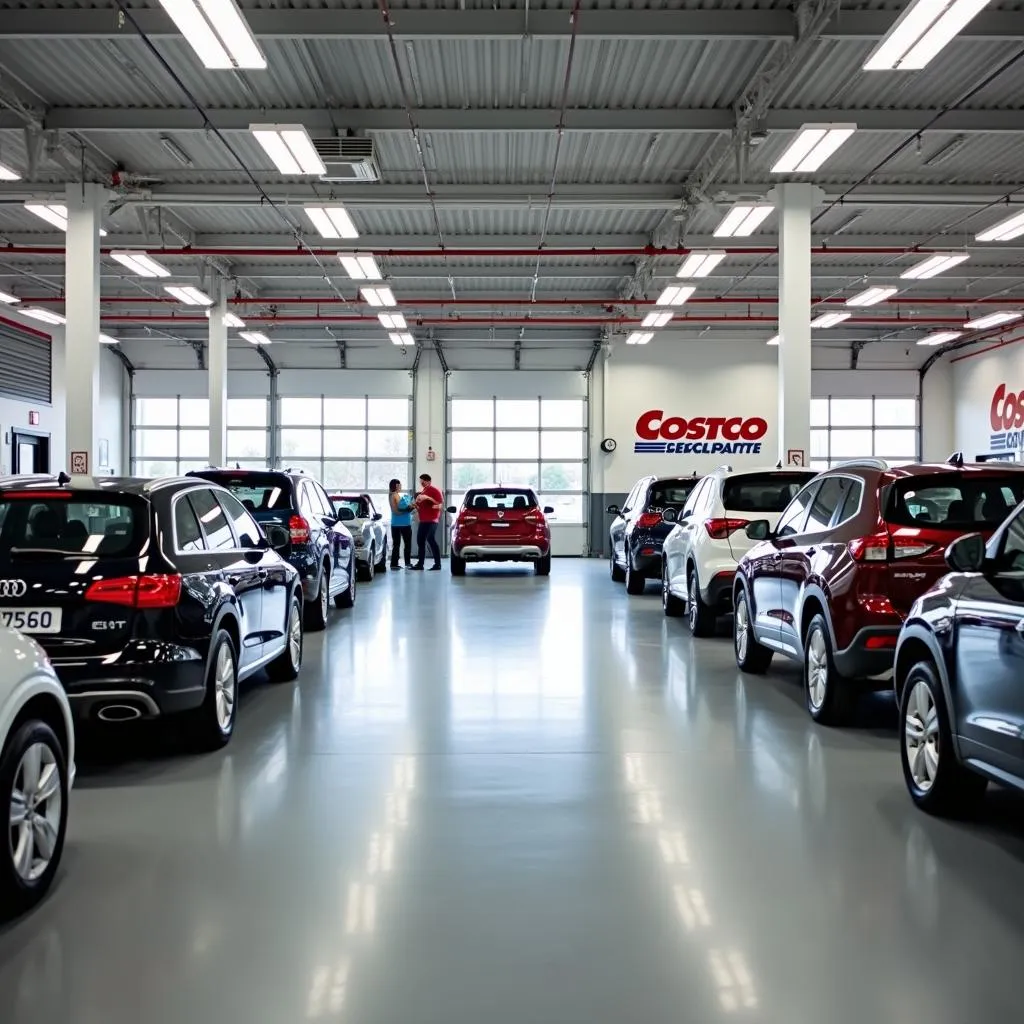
938 783
700 617
214 721
316 610
285 667
347 598
382 565
635 581
831 698
670 604
34 802
458 566
618 574
751 656
368 568
542 567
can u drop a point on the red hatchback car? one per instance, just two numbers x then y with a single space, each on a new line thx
831 584
501 524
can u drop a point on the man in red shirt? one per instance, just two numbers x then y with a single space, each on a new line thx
429 505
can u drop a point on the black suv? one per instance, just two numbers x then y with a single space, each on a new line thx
151 597
638 530
319 545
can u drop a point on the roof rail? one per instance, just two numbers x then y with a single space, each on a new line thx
956 459
866 463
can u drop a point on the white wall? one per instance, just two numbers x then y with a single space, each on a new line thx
975 380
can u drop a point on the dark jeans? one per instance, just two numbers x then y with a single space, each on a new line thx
426 536
401 535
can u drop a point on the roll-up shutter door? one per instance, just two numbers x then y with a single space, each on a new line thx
25 366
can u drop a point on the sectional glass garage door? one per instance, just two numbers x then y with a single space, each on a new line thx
856 428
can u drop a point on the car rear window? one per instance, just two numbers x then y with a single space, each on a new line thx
954 501
72 526
258 492
358 505
504 499
762 492
668 493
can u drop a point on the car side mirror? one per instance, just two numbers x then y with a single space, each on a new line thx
614 510
549 510
345 515
452 510
277 536
967 553
759 529
377 517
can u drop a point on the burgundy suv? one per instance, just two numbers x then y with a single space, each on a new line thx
831 585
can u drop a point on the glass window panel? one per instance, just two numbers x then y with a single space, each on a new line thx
345 412
388 444
247 412
561 444
896 443
819 412
568 507
194 444
380 474
156 412
851 412
381 504
469 474
819 464
562 412
250 463
211 515
301 412
344 475
186 466
896 412
475 444
472 412
517 444
155 467
388 412
301 443
345 444
194 412
517 413
819 444
516 474
561 476
187 535
243 444
156 443
312 468
851 444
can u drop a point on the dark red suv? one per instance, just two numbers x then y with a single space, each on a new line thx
831 585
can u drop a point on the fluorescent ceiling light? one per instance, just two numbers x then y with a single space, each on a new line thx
830 319
941 338
8 173
944 153
106 339
934 265
700 264
811 147
53 213
188 295
743 219
140 263
392 321
254 337
774 340
332 221
991 320
231 320
8 298
290 148
378 296
1004 230
639 338
47 316
360 268
218 33
920 33
402 339
658 318
871 296
675 295
176 151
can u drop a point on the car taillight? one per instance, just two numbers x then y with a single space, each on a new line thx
910 547
719 529
153 591
880 643
648 519
466 520
533 517
880 547
299 530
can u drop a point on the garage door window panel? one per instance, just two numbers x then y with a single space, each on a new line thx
476 445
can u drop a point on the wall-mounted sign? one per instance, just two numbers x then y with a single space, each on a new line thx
79 463
699 435
1006 416
796 457
33 418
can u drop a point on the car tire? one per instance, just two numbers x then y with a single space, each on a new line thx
542 567
23 885
831 698
347 598
286 666
670 604
382 565
618 574
700 616
366 569
936 780
213 722
751 656
458 566
636 582
316 610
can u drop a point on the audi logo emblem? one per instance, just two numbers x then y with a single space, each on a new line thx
13 588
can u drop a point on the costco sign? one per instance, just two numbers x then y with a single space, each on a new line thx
700 435
1006 416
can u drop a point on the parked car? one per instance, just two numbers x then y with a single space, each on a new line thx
958 678
37 769
319 546
639 529
368 530
500 524
702 549
151 597
832 582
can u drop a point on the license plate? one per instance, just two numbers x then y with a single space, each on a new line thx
501 526
31 620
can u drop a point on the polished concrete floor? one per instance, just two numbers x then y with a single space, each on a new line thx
506 799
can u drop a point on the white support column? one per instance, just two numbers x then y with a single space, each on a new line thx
217 361
82 332
795 202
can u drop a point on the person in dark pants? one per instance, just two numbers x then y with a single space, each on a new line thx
401 523
429 503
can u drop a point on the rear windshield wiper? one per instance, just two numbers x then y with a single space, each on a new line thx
51 553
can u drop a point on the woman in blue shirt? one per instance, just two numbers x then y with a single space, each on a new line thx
401 523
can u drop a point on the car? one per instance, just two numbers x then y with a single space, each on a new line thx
151 597
320 544
957 675
831 584
37 770
368 532
700 553
500 524
638 528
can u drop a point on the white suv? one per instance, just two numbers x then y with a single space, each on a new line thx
700 554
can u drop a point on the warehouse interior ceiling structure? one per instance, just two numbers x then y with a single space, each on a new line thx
527 177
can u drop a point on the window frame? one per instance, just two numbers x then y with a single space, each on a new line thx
873 424
811 485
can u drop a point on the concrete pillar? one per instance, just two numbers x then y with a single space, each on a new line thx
795 202
82 331
217 361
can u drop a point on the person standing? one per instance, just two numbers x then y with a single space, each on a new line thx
429 503
401 523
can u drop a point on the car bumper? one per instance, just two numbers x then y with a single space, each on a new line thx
870 656
647 564
501 552
718 593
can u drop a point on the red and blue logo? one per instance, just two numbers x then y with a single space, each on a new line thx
701 435
1006 415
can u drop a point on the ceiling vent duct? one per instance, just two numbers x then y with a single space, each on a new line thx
348 158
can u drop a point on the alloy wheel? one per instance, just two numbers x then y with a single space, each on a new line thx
35 815
741 622
325 595
295 636
921 736
691 602
224 680
817 669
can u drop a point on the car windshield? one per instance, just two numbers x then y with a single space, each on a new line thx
71 525
671 493
955 501
360 509
504 499
762 492
258 492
